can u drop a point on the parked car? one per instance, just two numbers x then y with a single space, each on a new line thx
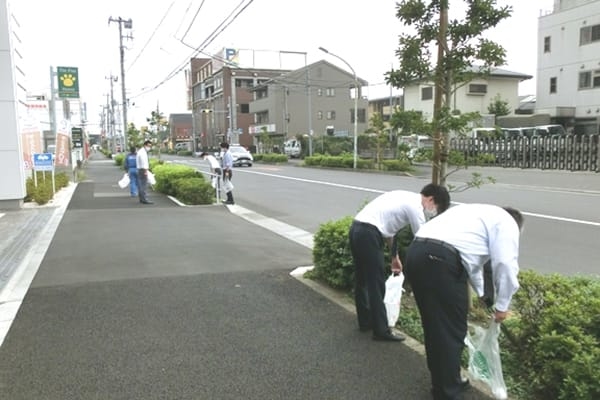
241 156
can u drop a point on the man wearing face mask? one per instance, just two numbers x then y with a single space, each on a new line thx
143 166
379 222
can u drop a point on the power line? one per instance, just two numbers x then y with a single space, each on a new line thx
152 35
193 20
199 49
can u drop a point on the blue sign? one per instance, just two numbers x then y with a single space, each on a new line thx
43 162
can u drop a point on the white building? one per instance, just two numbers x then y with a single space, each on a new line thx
12 103
568 71
475 96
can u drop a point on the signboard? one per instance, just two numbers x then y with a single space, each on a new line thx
68 82
43 162
31 140
62 144
77 137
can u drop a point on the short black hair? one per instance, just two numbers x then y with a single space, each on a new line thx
516 214
148 142
132 149
203 154
224 145
440 194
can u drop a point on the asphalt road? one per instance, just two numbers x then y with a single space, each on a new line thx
562 225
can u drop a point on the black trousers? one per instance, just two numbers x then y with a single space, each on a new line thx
366 244
439 284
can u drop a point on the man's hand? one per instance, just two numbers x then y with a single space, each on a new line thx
500 316
396 265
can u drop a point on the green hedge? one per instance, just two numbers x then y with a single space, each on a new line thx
42 194
272 158
194 190
167 174
550 344
342 161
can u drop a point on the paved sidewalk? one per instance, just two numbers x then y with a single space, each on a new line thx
132 301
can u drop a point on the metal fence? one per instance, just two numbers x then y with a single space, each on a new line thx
563 152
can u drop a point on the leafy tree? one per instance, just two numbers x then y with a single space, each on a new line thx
381 138
460 46
410 122
158 124
498 107
134 136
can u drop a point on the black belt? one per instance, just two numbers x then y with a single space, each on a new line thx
441 243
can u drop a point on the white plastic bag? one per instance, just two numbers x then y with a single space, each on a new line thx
151 178
484 358
393 297
227 185
124 181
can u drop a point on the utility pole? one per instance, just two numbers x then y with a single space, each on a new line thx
111 112
127 24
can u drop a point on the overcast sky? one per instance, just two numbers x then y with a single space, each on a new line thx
77 33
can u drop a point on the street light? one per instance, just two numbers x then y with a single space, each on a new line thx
356 86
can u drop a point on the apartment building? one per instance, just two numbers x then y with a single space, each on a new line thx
318 99
568 83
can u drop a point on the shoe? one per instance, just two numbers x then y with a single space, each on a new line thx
388 337
228 202
465 384
146 202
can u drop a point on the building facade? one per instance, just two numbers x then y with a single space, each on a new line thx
317 99
568 72
12 104
475 96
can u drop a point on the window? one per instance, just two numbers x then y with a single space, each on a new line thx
362 115
547 44
331 115
330 92
427 93
245 108
319 114
478 88
244 83
589 79
589 34
553 85
319 92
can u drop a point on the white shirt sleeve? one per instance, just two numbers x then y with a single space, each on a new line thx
504 253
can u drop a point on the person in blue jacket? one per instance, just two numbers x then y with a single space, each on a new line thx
130 165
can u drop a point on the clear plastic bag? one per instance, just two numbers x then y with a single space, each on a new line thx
393 297
151 178
484 358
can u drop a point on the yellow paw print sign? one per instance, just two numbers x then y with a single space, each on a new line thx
68 82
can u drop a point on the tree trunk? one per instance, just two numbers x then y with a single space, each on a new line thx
438 170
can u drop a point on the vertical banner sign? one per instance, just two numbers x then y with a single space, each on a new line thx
68 82
63 149
31 140
77 137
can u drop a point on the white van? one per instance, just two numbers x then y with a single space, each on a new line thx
292 148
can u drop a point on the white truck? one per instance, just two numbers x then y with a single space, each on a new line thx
292 148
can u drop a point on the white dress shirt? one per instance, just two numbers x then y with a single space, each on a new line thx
392 211
142 159
481 232
212 161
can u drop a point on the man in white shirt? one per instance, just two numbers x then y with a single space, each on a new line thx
227 164
446 253
379 222
215 169
143 166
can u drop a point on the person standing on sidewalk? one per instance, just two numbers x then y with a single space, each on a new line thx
131 168
143 167
227 165
215 169
445 254
379 222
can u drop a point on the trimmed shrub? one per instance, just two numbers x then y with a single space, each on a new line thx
167 174
194 191
119 159
331 254
397 165
272 158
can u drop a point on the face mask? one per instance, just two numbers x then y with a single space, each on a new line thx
429 214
